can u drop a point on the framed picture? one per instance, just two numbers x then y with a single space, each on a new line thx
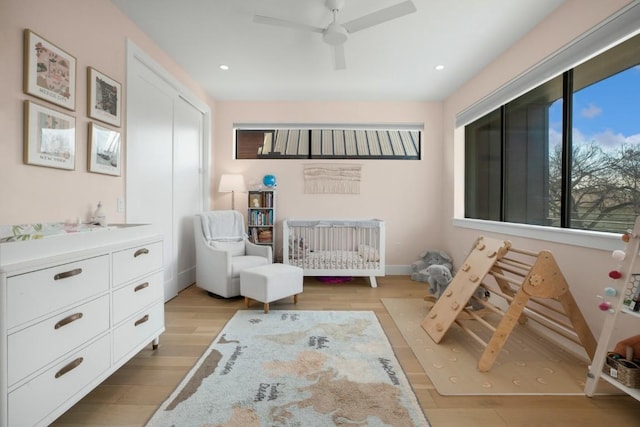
49 137
255 200
104 97
104 150
49 72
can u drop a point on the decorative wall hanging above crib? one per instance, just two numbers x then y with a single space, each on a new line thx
336 179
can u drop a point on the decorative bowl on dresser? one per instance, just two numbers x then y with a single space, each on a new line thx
73 309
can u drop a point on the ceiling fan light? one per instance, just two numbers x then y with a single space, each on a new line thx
335 34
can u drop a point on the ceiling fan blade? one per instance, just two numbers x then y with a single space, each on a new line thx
283 23
340 61
380 16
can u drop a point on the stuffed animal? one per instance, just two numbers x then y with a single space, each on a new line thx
438 277
430 258
420 276
437 271
427 259
297 245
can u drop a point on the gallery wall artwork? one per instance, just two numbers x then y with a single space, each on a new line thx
103 97
49 137
49 72
104 150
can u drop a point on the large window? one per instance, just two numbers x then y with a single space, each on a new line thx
565 154
328 143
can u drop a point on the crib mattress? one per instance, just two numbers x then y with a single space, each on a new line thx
332 260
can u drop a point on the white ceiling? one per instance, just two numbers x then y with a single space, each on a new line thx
391 61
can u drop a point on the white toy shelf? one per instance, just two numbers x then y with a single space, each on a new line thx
617 303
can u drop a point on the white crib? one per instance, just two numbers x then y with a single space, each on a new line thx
324 247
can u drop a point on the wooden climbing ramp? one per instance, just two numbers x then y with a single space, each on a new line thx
531 287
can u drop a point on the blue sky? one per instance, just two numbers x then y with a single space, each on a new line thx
607 112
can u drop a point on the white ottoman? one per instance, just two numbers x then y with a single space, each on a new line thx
270 282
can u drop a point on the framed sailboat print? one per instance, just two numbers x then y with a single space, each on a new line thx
104 150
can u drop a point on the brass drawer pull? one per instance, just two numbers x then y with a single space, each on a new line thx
139 252
68 320
66 274
141 286
141 320
71 366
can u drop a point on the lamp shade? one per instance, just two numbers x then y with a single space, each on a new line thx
232 182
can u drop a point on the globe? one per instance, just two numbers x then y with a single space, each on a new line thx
269 181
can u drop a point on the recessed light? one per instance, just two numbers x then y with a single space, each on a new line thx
224 67
439 67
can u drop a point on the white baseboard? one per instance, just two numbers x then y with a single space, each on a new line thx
397 270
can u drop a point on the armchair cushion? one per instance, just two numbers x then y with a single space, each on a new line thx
239 263
234 248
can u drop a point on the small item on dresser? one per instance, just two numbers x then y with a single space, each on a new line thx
100 218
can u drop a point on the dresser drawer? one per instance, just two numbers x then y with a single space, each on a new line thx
135 262
36 399
138 329
37 293
32 348
137 295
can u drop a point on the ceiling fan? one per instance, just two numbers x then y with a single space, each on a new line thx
336 34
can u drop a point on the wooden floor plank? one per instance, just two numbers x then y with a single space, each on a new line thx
193 319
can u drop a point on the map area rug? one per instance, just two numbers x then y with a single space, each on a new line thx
295 368
528 364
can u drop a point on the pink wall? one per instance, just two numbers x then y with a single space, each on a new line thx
585 269
94 32
414 197
406 194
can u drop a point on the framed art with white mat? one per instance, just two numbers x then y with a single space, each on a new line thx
104 97
49 72
49 137
104 150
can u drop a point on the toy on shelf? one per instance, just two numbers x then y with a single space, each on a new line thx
532 285
269 181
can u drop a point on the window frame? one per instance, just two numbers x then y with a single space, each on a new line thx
409 140
618 28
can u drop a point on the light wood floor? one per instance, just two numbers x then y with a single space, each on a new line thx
131 395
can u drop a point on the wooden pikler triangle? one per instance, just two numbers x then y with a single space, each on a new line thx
532 285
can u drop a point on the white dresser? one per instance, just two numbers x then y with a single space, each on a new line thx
73 309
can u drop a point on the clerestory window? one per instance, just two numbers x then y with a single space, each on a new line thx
327 143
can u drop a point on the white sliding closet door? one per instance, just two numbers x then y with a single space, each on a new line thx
187 186
149 179
166 176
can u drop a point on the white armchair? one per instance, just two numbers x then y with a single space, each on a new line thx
223 250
